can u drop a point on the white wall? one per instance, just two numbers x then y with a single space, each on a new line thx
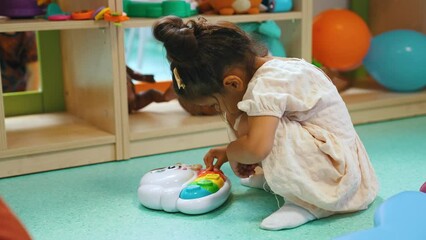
321 5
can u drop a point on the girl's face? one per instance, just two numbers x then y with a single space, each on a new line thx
210 102
225 104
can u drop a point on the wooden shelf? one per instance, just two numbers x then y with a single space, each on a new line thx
376 105
167 127
148 22
43 142
165 119
39 133
20 25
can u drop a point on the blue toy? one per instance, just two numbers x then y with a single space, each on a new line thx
278 5
396 59
54 10
401 217
268 33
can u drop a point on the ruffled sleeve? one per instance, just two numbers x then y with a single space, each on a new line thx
284 86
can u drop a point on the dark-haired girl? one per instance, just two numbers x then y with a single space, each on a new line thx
284 115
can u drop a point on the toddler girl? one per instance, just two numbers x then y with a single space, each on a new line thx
284 114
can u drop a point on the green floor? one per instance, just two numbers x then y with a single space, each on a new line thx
100 202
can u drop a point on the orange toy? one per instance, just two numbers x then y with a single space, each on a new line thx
229 7
82 15
115 17
340 39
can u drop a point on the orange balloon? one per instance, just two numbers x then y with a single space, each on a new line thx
340 39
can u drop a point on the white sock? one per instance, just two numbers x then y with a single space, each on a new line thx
255 181
288 216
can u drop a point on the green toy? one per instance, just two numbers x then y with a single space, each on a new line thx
158 9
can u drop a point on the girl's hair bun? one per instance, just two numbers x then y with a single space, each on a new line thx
178 38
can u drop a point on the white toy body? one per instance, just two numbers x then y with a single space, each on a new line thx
161 189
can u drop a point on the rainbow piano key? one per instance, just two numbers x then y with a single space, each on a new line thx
207 183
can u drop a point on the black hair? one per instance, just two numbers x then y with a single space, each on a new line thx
202 52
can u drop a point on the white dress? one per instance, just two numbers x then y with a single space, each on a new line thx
318 161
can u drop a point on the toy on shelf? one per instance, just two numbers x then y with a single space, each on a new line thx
184 188
55 13
115 17
100 12
230 7
268 33
159 8
402 216
278 5
82 15
137 100
22 8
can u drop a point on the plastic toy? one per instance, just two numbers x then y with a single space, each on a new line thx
59 17
184 188
423 188
267 32
396 60
21 8
100 12
115 17
159 8
55 13
82 15
333 35
139 99
278 5
402 216
230 7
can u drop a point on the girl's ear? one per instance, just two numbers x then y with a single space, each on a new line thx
233 82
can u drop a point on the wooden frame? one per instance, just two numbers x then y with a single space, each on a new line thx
89 131
51 97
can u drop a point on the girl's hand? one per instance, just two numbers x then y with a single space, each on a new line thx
218 153
242 170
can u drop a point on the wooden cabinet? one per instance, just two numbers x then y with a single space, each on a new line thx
90 130
96 126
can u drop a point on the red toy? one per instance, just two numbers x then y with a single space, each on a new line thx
423 188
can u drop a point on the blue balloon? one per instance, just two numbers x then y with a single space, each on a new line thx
397 60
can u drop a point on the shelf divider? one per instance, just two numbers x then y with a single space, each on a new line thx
3 139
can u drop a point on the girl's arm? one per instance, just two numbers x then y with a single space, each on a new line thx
256 145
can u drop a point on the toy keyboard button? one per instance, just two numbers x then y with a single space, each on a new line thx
193 191
208 185
213 176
